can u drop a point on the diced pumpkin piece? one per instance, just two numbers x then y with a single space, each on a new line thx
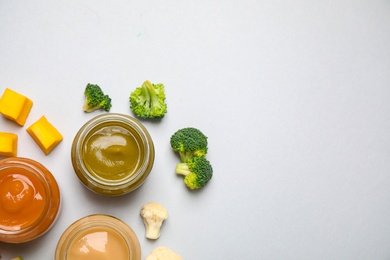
8 144
15 106
45 135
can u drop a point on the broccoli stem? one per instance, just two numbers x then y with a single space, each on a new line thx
88 108
154 100
150 93
183 169
185 156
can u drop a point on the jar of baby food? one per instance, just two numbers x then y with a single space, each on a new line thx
30 200
112 154
98 237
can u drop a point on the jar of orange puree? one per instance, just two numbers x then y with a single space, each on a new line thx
29 200
98 237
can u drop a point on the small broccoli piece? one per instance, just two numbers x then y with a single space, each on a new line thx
189 142
95 99
148 101
197 171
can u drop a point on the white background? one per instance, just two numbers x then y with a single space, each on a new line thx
293 96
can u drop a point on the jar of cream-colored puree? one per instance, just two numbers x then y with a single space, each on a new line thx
98 237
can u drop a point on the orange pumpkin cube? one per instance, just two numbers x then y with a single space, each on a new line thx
45 135
15 106
8 144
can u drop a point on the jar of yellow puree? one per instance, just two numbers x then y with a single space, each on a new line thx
29 200
98 237
112 154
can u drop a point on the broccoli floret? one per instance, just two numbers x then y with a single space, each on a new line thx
148 101
197 171
95 99
189 142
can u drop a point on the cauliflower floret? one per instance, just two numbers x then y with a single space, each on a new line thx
153 215
163 253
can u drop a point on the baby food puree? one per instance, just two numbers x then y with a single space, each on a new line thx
112 153
22 199
98 243
29 200
98 237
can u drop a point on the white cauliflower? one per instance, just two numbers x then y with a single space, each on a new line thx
153 215
163 253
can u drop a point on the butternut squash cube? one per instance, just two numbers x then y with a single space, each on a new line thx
15 106
45 135
8 144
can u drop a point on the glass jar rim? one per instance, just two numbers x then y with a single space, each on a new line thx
98 220
113 119
42 174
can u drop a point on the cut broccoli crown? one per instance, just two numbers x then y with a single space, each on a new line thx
95 99
197 171
189 142
148 101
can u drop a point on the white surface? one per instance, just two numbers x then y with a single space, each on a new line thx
293 95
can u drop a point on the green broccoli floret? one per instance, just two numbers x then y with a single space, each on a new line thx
189 142
95 99
148 101
197 171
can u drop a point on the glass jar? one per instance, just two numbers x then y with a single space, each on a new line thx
30 200
98 237
112 154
